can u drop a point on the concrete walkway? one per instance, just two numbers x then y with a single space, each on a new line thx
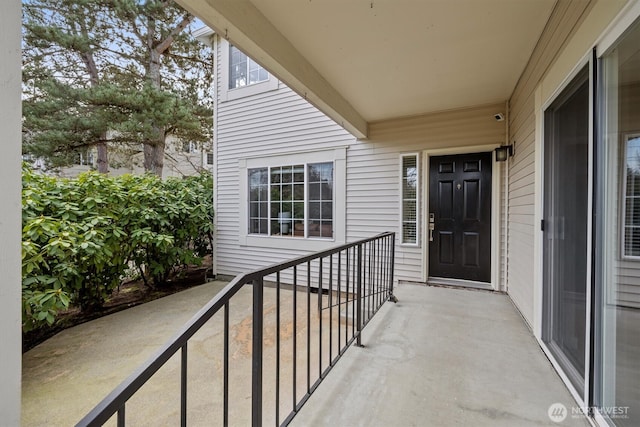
66 376
439 357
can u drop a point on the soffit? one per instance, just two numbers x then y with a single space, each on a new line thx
369 60
392 58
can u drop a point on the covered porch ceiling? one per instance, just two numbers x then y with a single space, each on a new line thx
361 61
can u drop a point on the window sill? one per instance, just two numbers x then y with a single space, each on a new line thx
409 245
297 243
253 89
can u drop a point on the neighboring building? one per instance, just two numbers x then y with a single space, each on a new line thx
180 159
556 225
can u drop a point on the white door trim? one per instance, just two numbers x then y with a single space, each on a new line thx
496 193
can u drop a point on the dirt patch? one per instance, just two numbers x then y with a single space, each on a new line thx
129 294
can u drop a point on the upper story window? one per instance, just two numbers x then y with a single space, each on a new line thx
240 75
244 71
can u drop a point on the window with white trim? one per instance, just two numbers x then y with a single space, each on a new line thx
409 200
631 197
244 71
292 200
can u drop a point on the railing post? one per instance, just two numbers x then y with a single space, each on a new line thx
183 386
392 258
256 354
359 297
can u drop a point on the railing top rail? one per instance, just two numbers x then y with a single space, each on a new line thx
250 276
121 394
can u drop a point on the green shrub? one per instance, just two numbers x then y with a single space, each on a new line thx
81 235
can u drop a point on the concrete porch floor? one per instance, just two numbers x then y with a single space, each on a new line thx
442 357
439 357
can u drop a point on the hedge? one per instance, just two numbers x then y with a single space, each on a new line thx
81 237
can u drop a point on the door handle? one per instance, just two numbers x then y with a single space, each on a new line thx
432 226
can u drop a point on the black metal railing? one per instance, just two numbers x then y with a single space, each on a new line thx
350 282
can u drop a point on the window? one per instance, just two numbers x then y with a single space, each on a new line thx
84 158
292 200
409 173
241 76
259 201
209 158
244 71
189 147
631 196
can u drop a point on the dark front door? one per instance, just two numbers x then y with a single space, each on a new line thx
460 211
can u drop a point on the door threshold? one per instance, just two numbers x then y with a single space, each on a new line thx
459 283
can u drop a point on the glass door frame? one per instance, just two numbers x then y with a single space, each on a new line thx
600 338
584 398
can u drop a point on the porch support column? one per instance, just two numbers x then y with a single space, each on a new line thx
10 213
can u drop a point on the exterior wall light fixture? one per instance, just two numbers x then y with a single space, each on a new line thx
504 152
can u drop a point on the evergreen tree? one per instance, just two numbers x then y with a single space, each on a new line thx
59 67
126 69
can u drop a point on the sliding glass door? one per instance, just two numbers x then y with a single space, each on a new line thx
566 207
617 367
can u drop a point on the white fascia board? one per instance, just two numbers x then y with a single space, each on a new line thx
243 24
204 35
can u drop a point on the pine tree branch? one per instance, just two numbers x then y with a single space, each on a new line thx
188 58
120 54
132 18
166 43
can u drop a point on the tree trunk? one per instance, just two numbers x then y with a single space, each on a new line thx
154 152
103 159
158 152
94 78
147 149
154 149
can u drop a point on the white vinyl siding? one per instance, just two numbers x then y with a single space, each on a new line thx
373 173
521 179
267 124
280 124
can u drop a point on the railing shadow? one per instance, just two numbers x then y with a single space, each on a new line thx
304 315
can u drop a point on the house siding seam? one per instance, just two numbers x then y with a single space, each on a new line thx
520 216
